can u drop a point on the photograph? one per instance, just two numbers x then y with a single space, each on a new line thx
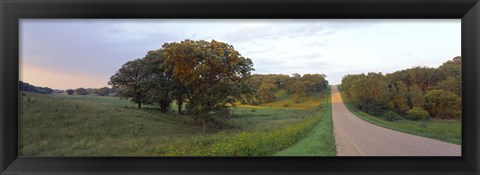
239 87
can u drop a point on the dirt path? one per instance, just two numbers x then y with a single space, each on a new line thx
355 137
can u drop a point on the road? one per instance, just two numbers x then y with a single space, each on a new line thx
355 137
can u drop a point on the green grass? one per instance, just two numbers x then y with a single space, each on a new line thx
444 130
62 125
264 141
319 141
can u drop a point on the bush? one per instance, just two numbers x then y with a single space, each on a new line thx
391 116
443 104
417 114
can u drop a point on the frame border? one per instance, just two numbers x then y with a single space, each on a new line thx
11 11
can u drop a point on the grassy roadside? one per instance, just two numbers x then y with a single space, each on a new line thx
447 131
320 140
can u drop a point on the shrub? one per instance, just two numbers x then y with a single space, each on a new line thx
443 104
417 114
391 116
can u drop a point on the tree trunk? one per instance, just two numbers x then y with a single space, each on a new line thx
205 125
179 104
139 105
163 108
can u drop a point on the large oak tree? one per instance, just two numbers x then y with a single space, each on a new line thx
213 75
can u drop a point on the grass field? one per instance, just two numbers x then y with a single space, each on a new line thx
444 130
320 140
62 125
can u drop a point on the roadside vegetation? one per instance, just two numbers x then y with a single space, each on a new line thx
320 141
444 130
418 93
421 100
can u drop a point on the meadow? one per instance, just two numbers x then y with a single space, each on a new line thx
74 125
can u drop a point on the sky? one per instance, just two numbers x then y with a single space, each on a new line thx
73 53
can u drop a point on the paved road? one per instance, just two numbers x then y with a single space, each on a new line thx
355 137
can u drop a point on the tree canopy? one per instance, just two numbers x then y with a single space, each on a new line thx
408 92
211 77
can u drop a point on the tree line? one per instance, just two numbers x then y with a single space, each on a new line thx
23 86
300 86
104 91
418 93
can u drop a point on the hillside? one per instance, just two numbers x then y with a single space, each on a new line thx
70 125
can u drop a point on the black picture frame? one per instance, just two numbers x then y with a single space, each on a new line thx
13 10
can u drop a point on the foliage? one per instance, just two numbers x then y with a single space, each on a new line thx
104 91
266 92
417 114
416 98
216 72
129 81
391 116
158 83
70 91
445 130
296 84
443 104
81 91
368 92
399 94
403 90
31 88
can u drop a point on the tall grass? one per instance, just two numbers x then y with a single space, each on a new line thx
59 125
253 143
320 141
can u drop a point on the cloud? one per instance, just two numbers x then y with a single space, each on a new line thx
335 47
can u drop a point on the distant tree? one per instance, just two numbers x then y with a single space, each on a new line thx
31 88
266 92
70 91
300 90
215 71
315 82
104 91
81 91
443 104
129 82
